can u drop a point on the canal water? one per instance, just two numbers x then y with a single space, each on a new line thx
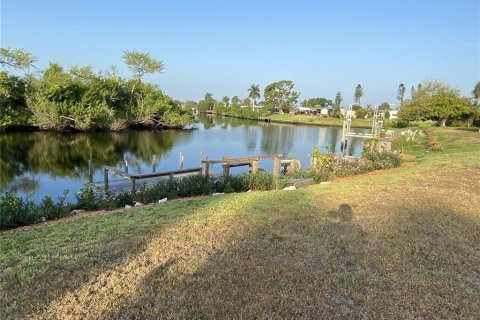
34 164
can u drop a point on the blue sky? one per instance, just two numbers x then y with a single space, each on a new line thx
224 46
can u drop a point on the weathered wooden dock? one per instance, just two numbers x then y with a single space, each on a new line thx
131 182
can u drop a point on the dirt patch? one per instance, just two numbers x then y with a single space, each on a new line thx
405 156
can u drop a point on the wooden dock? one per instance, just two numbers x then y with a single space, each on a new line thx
131 182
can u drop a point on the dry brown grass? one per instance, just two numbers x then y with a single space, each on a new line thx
403 244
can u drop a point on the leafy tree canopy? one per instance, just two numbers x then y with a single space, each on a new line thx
281 95
316 103
140 63
16 58
434 100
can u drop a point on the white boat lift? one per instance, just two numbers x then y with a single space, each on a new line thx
347 133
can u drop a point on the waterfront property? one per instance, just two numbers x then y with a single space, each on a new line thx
352 248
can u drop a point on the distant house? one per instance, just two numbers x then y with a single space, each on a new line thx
304 110
324 112
393 114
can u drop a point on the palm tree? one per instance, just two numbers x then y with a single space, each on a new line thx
208 96
476 92
225 100
254 94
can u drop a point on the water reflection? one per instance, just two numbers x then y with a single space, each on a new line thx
40 163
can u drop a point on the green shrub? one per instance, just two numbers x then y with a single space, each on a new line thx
395 123
194 185
383 160
350 168
16 211
238 183
163 189
48 209
378 159
87 199
261 181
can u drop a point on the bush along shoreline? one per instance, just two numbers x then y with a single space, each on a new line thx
81 99
17 211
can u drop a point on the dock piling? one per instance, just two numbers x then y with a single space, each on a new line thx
105 179
180 160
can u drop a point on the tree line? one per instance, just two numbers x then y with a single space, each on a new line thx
78 98
430 100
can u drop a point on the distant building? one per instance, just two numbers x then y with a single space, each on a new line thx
324 112
393 114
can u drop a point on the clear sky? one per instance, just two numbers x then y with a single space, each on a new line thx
224 46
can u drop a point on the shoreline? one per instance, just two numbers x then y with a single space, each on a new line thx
32 128
306 123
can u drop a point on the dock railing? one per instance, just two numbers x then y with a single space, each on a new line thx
251 162
134 177
226 162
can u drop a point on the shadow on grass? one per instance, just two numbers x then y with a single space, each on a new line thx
471 129
281 255
323 264
49 262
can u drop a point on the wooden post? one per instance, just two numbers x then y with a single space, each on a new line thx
276 163
207 168
180 161
90 171
105 180
255 166
134 182
226 169
201 156
154 163
126 166
315 162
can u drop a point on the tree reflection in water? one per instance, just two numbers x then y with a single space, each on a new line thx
31 162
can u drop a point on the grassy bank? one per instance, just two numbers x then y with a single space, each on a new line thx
317 120
396 244
296 119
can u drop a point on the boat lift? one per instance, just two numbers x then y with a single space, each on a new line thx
347 123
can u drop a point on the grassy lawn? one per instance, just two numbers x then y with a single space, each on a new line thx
401 244
317 120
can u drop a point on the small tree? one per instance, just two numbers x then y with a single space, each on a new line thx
385 109
358 94
337 106
281 95
476 92
235 101
140 63
401 92
225 101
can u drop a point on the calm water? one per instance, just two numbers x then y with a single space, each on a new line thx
35 164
